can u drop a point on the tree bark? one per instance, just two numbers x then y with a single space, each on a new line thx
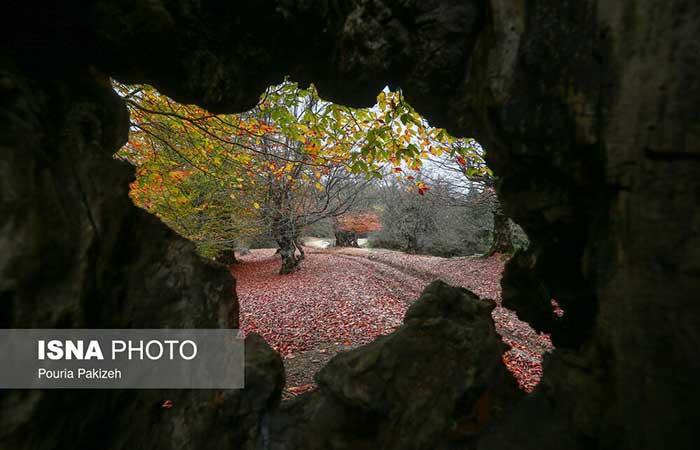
287 251
298 246
283 231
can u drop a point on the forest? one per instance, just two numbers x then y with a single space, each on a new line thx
298 166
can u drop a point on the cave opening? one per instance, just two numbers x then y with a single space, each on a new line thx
380 202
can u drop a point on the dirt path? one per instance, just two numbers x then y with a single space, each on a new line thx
402 283
342 298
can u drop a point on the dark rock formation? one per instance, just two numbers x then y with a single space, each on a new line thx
384 395
76 253
588 110
588 129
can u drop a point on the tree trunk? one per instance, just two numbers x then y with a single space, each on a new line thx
287 251
227 257
411 244
297 244
346 239
502 234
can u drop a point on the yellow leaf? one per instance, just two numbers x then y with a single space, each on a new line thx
256 205
319 186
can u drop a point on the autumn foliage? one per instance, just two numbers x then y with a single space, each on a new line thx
361 223
292 161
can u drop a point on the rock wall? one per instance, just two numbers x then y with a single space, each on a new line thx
591 138
588 110
76 253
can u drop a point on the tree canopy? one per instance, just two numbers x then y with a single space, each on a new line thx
219 179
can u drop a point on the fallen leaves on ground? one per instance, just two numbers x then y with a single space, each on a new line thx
348 297
298 390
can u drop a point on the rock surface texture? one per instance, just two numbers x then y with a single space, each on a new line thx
75 253
588 110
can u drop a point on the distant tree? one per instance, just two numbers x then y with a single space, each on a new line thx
469 175
407 219
444 221
350 227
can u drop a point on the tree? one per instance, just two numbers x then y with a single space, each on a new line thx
350 227
407 218
474 177
307 189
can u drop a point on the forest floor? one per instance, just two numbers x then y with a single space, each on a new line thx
345 297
